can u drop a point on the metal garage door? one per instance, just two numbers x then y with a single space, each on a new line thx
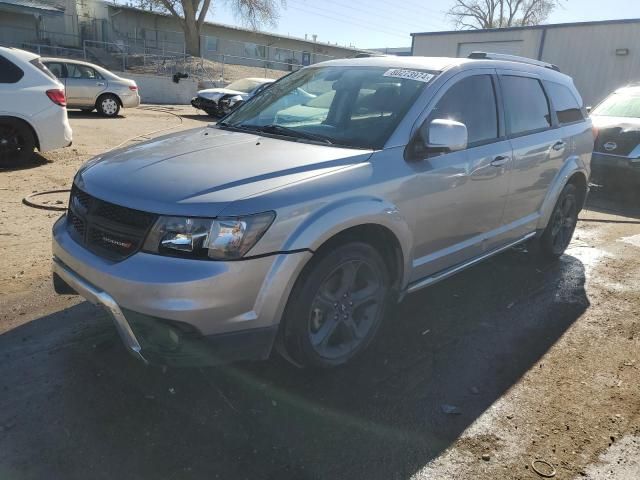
509 47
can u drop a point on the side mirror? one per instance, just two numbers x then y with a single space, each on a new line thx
443 136
589 108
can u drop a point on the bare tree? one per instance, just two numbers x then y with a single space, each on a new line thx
192 13
479 14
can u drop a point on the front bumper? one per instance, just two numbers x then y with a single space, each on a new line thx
177 311
202 103
607 168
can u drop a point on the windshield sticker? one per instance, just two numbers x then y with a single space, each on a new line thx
409 75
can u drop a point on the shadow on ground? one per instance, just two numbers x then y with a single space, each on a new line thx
75 405
35 161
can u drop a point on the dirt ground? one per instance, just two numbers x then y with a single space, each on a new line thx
479 376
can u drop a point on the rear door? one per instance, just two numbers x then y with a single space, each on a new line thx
83 85
539 149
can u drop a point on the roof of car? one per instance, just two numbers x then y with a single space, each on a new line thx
440 64
17 54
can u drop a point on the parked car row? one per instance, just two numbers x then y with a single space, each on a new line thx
35 94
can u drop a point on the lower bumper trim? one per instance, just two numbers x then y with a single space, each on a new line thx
98 297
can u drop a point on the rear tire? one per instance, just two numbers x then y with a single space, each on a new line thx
557 236
336 306
108 105
16 143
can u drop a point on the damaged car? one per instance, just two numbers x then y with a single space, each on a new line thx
217 102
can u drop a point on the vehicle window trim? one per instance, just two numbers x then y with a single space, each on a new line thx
554 125
555 112
496 97
20 71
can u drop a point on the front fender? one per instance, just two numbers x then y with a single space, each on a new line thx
572 166
341 215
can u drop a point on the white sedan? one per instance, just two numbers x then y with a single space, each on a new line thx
33 111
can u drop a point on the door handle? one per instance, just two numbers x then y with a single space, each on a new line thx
559 146
100 84
500 160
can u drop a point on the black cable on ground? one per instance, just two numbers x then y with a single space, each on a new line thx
28 200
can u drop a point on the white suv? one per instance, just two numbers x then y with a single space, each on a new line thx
33 110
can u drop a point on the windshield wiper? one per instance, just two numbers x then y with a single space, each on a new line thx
289 132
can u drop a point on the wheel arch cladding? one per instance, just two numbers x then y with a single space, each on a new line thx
379 237
573 171
582 185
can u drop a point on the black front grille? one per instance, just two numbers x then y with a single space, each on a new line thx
618 140
107 229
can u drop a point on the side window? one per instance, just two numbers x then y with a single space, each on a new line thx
564 103
471 101
56 68
526 105
9 72
82 72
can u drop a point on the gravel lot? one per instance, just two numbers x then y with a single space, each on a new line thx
509 362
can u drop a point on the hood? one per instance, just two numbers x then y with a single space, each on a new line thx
218 93
199 172
617 135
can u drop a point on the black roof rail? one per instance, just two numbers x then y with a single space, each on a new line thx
511 58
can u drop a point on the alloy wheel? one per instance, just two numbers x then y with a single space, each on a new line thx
345 309
563 223
12 144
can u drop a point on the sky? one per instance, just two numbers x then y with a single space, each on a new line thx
387 23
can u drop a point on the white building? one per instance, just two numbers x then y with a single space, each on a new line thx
600 56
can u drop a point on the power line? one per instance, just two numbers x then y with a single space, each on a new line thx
391 12
366 22
368 26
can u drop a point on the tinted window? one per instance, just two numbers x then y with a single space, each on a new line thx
471 101
526 105
565 104
9 72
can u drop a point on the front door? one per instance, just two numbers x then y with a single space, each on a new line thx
83 85
464 192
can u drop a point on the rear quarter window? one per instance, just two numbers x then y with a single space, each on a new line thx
565 103
41 66
9 71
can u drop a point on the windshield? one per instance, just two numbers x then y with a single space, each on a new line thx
356 107
619 105
245 85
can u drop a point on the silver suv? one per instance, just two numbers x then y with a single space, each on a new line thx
296 232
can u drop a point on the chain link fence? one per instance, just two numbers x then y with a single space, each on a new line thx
159 52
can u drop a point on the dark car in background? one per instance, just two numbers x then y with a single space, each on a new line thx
616 156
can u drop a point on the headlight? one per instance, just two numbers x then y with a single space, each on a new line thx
218 239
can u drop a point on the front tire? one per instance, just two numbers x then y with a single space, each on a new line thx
16 143
108 105
556 237
336 306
